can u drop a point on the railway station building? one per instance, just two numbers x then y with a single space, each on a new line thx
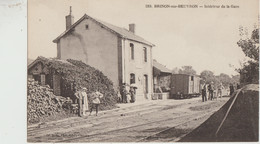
119 53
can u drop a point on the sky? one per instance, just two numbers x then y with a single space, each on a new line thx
204 38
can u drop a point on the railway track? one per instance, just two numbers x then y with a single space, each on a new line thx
80 121
137 125
191 117
174 126
85 121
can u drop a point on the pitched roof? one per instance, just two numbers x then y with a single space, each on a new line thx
41 59
187 74
121 32
161 67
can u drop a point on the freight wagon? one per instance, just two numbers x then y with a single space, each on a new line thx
184 86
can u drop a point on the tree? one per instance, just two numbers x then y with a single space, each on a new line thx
224 79
209 77
187 70
250 46
235 78
175 70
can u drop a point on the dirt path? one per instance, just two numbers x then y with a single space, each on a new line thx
152 121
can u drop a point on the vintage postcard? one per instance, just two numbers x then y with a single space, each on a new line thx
143 71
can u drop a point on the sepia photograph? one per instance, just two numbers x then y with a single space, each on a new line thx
142 71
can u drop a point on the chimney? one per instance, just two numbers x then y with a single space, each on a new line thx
132 28
69 19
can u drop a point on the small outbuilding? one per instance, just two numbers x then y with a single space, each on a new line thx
162 80
40 72
66 76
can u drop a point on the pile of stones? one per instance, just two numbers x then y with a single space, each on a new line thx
41 102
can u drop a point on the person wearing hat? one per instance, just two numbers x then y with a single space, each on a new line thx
132 94
204 92
119 97
211 90
124 93
96 101
220 89
82 101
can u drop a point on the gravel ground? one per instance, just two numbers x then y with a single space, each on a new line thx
152 121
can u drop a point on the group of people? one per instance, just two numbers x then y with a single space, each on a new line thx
83 102
126 96
210 93
81 98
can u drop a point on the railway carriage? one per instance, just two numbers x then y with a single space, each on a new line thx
184 86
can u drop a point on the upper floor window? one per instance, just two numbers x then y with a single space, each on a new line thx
192 78
86 26
132 78
145 54
132 51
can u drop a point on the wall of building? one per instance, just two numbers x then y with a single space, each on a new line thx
194 85
197 85
190 85
94 45
138 67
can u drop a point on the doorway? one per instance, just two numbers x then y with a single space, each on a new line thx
145 84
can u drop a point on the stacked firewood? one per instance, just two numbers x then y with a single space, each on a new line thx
41 102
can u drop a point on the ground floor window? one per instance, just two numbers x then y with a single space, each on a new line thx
132 78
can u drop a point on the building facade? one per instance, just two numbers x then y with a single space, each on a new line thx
120 54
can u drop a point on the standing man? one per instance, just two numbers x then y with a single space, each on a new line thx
124 93
220 88
96 101
79 101
204 92
211 90
119 97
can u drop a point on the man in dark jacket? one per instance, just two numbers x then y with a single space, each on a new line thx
204 92
123 93
211 90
